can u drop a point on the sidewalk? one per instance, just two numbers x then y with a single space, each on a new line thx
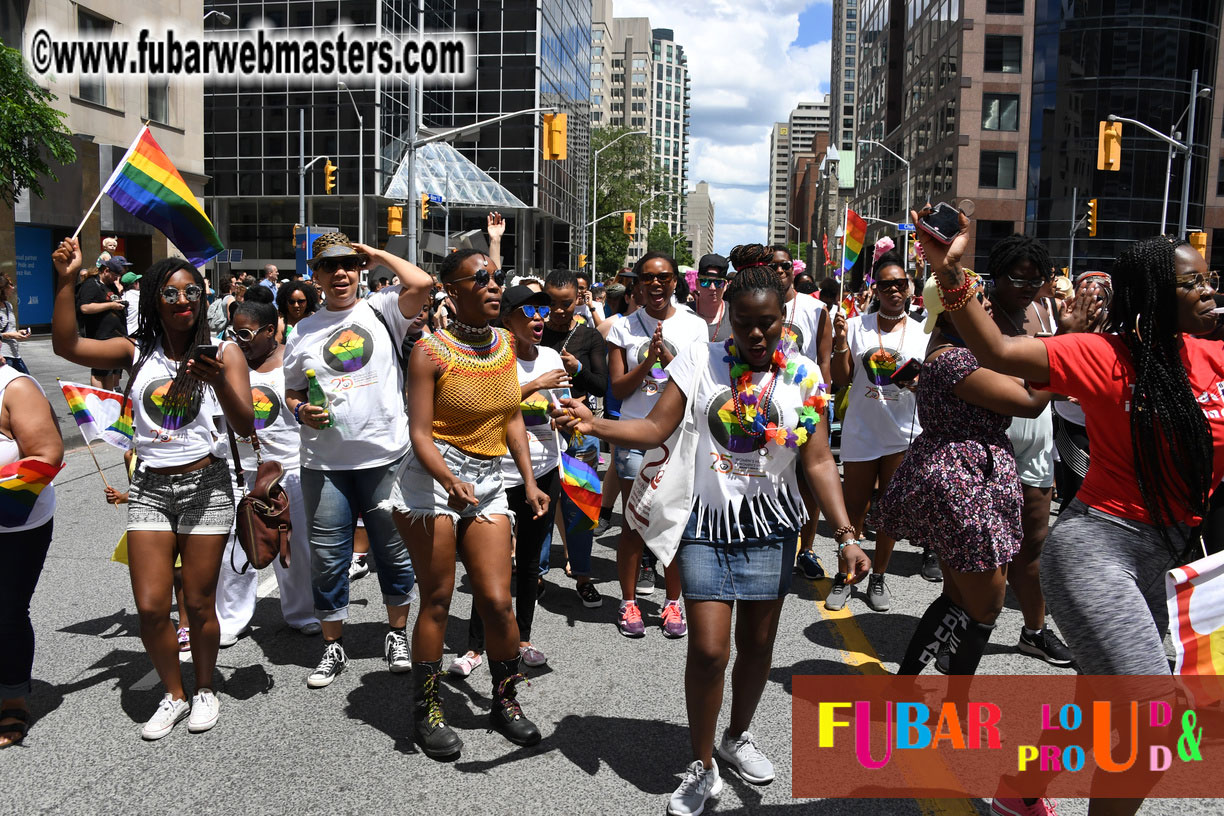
45 367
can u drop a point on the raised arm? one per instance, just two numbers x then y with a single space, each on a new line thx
650 432
496 227
415 282
65 342
1023 357
841 366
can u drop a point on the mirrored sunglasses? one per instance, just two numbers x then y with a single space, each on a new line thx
483 277
193 292
708 283
533 311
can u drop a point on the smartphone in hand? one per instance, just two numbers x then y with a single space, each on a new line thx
204 351
942 223
906 374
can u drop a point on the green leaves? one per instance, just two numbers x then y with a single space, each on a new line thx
31 130
627 176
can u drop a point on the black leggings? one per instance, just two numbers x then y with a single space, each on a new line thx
530 533
21 561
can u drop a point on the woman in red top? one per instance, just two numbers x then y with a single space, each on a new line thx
1153 396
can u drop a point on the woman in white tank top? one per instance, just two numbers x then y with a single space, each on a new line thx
183 391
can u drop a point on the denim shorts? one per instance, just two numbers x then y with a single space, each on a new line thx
629 462
197 503
756 569
417 494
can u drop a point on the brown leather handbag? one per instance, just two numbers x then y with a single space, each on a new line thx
263 521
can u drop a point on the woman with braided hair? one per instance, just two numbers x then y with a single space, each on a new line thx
181 501
1151 393
756 407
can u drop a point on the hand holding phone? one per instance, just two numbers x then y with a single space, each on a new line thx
942 223
906 374
204 351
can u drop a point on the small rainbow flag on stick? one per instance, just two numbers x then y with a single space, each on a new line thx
856 233
581 483
147 184
100 414
21 483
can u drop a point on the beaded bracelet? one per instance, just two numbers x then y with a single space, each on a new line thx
944 294
960 304
840 531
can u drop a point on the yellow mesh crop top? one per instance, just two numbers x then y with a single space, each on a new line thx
476 394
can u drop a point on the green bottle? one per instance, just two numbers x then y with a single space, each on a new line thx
316 396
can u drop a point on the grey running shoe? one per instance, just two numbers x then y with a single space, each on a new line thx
742 754
878 596
839 594
698 786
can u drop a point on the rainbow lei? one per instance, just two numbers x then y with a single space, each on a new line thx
755 409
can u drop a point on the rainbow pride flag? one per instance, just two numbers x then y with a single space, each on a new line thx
21 483
856 233
100 414
146 184
581 483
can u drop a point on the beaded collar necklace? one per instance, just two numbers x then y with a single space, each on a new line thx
475 335
752 404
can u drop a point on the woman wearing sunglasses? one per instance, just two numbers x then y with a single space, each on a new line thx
450 497
542 380
296 300
639 349
351 448
708 296
181 501
1157 451
881 419
1019 267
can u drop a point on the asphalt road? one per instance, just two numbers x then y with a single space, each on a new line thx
611 709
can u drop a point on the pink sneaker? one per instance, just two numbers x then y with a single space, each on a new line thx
630 621
673 620
1016 807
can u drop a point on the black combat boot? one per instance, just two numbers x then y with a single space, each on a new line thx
507 715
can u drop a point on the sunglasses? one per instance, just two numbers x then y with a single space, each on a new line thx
533 311
662 277
1210 281
1026 283
483 277
708 283
781 266
347 264
897 283
246 335
193 292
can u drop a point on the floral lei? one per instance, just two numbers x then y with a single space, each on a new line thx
752 403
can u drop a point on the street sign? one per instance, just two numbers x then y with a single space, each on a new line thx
905 227
435 198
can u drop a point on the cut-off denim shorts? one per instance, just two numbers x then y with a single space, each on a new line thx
418 495
197 503
755 569
628 462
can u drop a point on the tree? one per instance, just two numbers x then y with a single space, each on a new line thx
627 175
30 130
660 240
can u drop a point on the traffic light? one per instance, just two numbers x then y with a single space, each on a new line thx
554 135
1109 146
629 224
1092 216
1198 240
582 261
329 177
395 220
424 206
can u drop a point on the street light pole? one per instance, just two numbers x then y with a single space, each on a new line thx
637 224
1185 203
595 188
796 229
360 166
908 200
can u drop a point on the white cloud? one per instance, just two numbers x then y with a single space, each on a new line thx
745 76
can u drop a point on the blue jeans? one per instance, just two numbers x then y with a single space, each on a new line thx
333 499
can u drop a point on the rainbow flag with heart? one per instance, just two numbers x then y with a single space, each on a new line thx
100 414
581 483
852 244
21 483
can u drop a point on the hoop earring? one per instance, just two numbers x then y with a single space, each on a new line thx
1137 334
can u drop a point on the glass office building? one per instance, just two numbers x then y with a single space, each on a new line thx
1132 59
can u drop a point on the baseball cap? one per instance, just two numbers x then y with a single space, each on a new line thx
713 263
129 278
117 264
517 296
332 245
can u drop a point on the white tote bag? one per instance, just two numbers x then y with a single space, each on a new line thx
661 499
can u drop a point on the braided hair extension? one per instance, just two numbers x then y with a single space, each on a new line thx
746 256
1016 249
754 279
184 390
1170 436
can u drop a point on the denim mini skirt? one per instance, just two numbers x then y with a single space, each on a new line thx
754 569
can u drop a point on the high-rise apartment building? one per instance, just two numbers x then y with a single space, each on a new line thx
842 83
700 226
640 81
788 141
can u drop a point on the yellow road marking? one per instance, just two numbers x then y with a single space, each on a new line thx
856 651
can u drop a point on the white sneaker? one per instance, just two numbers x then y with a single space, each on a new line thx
396 651
465 664
698 786
532 656
169 712
204 710
742 754
333 662
359 567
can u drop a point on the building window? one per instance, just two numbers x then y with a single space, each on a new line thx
639 77
596 84
597 51
997 170
159 100
597 35
1220 181
848 99
92 26
1002 54
849 62
1004 6
639 63
596 67
597 100
1000 112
